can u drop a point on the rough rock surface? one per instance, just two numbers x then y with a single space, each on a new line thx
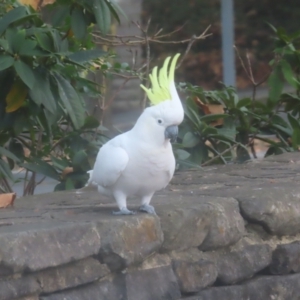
286 259
224 232
239 264
265 287
194 276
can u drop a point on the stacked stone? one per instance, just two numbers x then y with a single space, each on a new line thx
226 232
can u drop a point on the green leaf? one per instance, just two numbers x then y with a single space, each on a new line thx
296 139
6 61
90 122
211 118
15 38
80 161
16 148
276 85
244 102
276 119
288 73
85 56
41 93
44 41
190 140
59 163
78 24
102 15
9 154
12 16
27 48
181 154
5 171
41 167
69 184
25 73
296 131
115 10
71 101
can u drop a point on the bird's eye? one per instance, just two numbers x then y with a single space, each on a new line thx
159 121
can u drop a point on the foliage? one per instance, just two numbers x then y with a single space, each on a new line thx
222 137
44 125
203 65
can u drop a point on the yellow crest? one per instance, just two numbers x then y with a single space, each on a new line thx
160 84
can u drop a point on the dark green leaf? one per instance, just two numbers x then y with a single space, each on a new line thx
59 163
41 93
190 140
5 171
69 185
90 122
71 101
181 154
115 10
288 73
80 161
12 16
211 118
16 148
85 56
44 41
78 24
275 83
276 119
244 102
27 48
6 61
102 15
9 154
41 167
15 39
25 73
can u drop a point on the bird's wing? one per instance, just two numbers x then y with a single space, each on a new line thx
110 163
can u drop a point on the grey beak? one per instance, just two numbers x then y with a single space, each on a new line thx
171 133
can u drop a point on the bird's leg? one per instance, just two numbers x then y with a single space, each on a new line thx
121 201
145 207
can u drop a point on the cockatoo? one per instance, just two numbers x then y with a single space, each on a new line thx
140 161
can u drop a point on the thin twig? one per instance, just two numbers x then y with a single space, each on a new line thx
145 32
219 155
116 93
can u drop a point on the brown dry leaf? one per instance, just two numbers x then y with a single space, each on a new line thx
210 109
66 171
7 199
36 3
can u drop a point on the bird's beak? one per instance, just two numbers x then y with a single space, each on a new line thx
171 133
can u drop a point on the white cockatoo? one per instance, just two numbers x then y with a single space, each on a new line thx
140 161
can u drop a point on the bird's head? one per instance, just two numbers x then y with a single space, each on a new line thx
162 118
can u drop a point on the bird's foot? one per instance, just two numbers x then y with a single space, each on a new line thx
148 209
123 211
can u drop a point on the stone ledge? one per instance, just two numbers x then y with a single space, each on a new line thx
217 227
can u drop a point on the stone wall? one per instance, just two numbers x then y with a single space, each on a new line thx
225 232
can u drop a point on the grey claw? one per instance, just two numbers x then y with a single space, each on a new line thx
123 211
148 209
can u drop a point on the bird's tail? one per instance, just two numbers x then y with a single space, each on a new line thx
89 182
